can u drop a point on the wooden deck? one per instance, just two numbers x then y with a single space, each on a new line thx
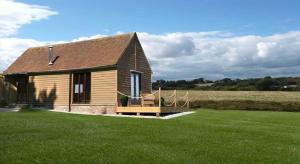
146 107
155 110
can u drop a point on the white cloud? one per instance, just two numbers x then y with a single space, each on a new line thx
87 38
15 14
12 16
11 48
263 48
220 54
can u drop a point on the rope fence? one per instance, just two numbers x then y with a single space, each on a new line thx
169 101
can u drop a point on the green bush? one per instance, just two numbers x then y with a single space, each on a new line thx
3 103
124 100
247 105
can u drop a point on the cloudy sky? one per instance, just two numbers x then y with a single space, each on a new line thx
182 39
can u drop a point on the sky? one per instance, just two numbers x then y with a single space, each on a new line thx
182 39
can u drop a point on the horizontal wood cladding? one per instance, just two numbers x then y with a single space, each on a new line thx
49 89
138 109
104 87
54 89
134 59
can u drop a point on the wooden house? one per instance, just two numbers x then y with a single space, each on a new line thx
83 76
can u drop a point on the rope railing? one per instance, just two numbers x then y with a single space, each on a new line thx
183 97
173 98
155 92
129 96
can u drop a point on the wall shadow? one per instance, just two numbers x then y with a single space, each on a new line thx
29 93
8 91
41 96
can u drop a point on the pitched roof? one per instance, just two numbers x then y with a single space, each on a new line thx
72 56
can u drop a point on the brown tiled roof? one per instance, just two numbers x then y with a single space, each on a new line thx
72 56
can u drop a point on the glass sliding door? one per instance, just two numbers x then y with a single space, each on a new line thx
135 84
81 87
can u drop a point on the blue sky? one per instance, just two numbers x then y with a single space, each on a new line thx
182 39
89 17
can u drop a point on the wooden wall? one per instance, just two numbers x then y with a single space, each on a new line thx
8 91
130 61
49 89
104 87
53 90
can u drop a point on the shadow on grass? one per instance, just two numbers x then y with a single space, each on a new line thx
29 110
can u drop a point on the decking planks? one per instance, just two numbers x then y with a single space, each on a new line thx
150 109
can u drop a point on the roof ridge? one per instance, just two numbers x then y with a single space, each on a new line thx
131 34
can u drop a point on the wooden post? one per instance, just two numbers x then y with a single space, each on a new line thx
8 98
142 101
159 97
157 114
188 100
70 90
175 98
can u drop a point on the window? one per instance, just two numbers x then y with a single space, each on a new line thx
82 87
135 84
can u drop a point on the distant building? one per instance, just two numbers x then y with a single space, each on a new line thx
205 85
290 86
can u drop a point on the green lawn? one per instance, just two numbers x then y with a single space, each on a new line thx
207 136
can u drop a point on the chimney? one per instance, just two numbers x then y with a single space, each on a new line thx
50 55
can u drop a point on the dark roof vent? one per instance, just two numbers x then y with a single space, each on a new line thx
50 55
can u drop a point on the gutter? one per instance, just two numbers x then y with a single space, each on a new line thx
63 70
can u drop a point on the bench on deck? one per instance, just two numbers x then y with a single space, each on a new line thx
147 100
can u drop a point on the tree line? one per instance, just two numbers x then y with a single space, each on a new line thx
251 84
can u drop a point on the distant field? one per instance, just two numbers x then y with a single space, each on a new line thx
274 96
245 100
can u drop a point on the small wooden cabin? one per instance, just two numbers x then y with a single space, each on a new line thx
83 76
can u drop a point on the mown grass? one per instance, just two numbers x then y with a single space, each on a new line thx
207 136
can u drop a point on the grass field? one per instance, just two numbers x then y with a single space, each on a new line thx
244 100
207 136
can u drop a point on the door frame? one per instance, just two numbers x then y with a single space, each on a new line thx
22 89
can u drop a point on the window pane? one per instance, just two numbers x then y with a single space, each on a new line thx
137 85
81 88
76 90
132 85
